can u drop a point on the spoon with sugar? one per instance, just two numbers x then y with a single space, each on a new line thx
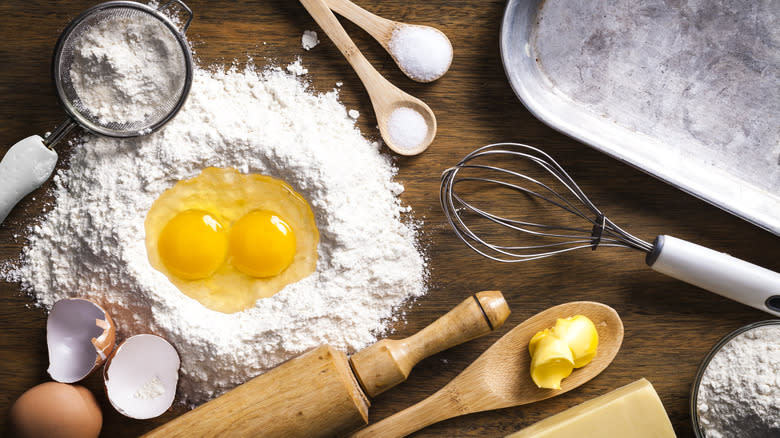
500 377
406 123
423 53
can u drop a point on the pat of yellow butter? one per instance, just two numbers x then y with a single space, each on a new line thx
632 411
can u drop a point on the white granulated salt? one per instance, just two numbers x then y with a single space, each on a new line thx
354 114
739 394
91 243
407 128
309 39
125 69
423 52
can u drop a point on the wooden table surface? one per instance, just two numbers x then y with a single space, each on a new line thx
669 325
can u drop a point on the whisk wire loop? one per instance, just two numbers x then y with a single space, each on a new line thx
478 169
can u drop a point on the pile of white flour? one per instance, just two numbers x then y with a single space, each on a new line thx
127 69
91 244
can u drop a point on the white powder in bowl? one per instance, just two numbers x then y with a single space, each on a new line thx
423 52
91 243
739 393
127 70
407 128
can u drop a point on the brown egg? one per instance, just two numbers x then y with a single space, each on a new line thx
56 410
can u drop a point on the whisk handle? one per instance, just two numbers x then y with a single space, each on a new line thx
23 169
717 272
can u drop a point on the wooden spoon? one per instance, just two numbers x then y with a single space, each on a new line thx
500 377
385 97
381 29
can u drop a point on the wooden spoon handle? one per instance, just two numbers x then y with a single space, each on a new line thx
371 78
389 362
378 27
438 407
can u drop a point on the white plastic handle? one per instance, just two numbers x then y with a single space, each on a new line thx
717 272
24 168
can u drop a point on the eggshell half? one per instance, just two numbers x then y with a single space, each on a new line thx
141 377
79 335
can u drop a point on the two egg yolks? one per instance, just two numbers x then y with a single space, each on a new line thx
193 245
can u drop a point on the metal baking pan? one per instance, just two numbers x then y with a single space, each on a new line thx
688 92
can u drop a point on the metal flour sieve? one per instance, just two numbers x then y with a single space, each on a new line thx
30 162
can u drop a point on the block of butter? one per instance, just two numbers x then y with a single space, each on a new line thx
632 411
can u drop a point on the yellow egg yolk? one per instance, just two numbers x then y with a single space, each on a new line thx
193 245
259 235
262 244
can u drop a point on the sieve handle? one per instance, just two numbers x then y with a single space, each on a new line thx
24 168
186 8
717 272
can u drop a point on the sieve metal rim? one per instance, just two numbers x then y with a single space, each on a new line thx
84 122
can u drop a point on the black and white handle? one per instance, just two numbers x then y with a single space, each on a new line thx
717 272
24 168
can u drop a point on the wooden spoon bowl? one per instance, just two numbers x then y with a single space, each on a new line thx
500 377
384 109
381 29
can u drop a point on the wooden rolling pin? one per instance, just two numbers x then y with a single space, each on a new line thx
317 394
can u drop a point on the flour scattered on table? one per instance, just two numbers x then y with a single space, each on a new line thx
91 243
309 39
354 114
297 68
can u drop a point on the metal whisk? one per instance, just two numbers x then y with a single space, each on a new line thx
521 232
602 231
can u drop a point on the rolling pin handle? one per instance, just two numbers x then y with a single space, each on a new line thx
389 362
494 307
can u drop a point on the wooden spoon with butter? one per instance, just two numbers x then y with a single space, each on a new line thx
500 377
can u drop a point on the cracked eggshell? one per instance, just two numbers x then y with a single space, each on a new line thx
141 376
80 335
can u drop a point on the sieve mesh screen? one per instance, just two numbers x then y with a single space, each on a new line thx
74 48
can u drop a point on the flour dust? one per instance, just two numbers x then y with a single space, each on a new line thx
91 243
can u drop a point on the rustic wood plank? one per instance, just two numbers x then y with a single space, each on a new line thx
669 325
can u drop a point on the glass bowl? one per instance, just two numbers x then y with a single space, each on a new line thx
704 363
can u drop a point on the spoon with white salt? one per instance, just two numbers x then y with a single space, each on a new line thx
423 53
406 123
